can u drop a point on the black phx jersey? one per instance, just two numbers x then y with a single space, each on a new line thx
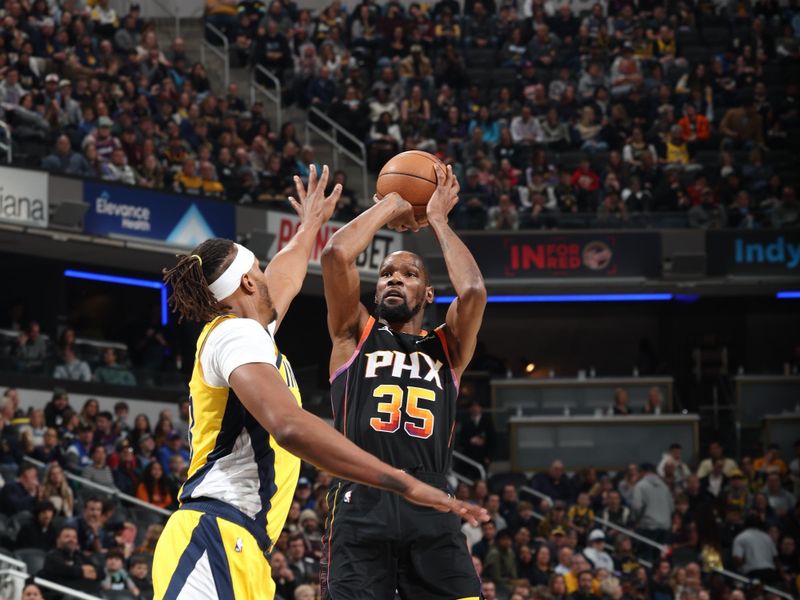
396 398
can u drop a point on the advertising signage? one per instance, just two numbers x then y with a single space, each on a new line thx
762 252
23 197
571 255
117 210
284 225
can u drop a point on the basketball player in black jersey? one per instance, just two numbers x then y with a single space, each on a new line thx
393 391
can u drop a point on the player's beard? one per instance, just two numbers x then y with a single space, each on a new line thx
399 313
264 290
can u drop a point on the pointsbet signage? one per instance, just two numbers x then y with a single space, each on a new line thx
23 197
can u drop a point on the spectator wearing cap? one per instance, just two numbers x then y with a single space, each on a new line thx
303 493
553 482
310 528
39 533
500 565
77 454
652 505
172 446
103 140
595 552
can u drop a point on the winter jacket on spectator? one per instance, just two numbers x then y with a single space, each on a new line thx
66 567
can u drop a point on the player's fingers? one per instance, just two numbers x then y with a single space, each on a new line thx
312 179
301 189
298 208
441 175
323 180
335 194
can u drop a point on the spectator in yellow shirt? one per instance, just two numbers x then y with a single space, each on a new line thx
211 185
187 181
580 516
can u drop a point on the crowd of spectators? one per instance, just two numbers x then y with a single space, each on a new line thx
28 349
560 541
544 109
71 533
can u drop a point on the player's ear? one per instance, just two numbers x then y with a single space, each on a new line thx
430 294
248 283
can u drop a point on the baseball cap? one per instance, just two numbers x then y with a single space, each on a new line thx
596 535
104 122
173 435
51 78
304 482
309 514
558 531
64 83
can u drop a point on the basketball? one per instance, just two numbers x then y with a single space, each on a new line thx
411 175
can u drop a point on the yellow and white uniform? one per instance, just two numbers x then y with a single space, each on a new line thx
240 483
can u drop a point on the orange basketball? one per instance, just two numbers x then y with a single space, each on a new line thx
411 175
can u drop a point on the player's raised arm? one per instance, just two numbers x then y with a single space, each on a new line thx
286 272
466 312
347 316
310 438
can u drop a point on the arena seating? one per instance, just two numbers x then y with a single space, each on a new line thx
90 93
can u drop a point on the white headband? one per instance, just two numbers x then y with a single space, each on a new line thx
231 278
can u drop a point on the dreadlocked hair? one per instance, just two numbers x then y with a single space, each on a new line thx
189 279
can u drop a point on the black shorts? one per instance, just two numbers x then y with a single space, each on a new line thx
377 543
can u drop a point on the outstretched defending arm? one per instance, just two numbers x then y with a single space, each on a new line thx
310 438
286 272
347 316
466 312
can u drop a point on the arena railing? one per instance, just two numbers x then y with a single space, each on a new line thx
316 116
272 96
223 55
473 463
661 547
18 574
173 11
113 492
6 142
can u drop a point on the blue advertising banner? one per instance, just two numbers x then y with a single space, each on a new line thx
754 252
116 210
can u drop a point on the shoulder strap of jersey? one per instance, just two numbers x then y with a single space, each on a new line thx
209 327
363 338
439 331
